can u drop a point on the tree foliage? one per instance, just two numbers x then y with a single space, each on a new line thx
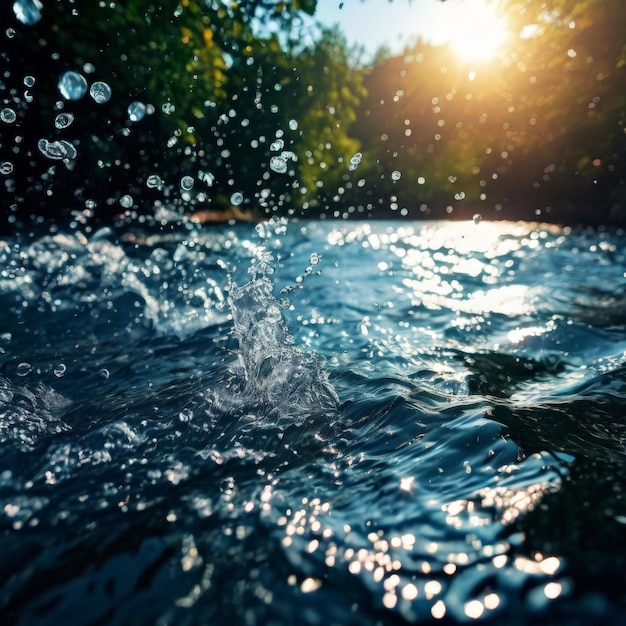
259 117
536 132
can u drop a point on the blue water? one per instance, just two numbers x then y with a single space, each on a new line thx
313 423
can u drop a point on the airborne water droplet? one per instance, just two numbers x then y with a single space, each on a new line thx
100 92
72 86
186 183
126 201
237 198
6 167
154 181
136 111
63 120
27 12
396 175
105 373
57 150
355 161
278 164
477 218
277 145
8 115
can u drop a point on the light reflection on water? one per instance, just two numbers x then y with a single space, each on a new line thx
464 387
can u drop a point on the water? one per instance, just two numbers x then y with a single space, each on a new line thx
313 422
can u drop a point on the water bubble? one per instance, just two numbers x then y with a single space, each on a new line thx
168 108
105 373
293 124
8 115
24 369
100 92
236 199
186 183
136 111
59 370
315 258
477 218
396 175
10 32
126 201
72 86
154 181
278 164
29 81
63 120
89 68
57 150
27 12
6 167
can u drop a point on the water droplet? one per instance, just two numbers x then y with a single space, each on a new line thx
72 86
24 368
206 177
186 183
126 201
63 120
278 164
477 218
315 258
100 92
8 115
293 125
185 415
59 370
168 108
273 314
154 181
89 68
27 12
105 373
57 150
10 32
277 145
6 167
355 161
396 175
29 81
136 111
237 198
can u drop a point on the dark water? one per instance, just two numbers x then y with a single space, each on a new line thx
313 423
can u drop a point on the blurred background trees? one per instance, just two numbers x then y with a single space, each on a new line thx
245 109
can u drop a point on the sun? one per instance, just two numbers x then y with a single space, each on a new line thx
475 30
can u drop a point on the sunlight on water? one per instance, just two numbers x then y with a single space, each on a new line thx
388 431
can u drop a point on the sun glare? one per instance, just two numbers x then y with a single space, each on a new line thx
475 30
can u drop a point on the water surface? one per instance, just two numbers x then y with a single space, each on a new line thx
313 422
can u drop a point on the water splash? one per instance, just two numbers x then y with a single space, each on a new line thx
276 389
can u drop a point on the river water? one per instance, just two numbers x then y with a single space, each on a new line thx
313 423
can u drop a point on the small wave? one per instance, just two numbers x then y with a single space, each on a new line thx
29 414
